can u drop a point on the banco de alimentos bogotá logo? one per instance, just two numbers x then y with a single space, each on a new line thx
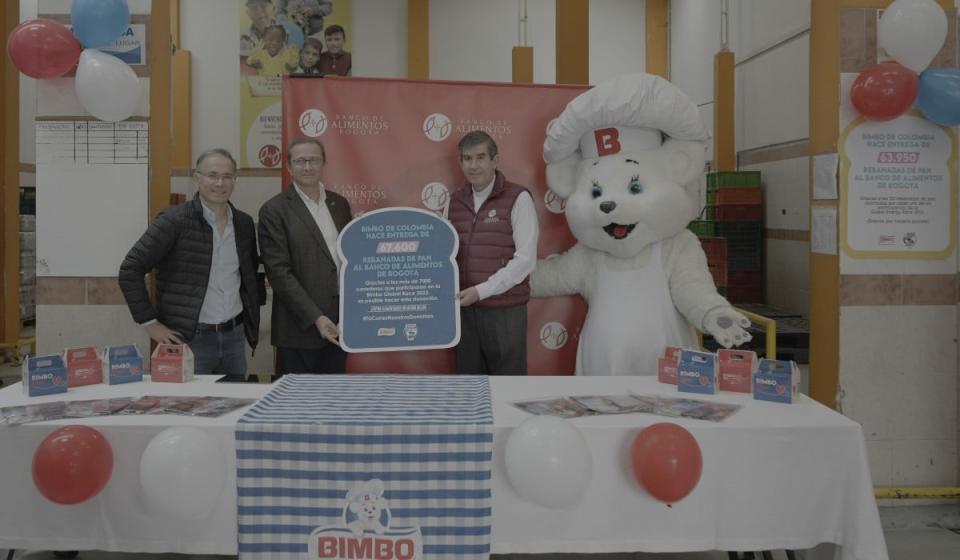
437 127
313 123
553 335
435 196
554 202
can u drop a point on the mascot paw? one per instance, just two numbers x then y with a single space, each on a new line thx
727 326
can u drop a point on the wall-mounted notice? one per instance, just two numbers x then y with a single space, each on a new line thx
92 142
398 282
898 189
823 230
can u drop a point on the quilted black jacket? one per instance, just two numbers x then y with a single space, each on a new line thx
179 245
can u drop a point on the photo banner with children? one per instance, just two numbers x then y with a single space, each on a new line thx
394 143
278 38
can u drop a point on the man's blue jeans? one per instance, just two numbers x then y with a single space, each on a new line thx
219 353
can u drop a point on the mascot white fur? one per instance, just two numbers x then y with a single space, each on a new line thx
622 154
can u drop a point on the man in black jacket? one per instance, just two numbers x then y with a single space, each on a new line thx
205 254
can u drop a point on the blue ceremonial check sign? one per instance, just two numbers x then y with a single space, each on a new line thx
398 282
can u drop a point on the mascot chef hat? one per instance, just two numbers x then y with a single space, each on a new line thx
627 114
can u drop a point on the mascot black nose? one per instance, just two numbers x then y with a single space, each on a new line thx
608 206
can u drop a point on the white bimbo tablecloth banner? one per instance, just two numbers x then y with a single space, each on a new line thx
374 467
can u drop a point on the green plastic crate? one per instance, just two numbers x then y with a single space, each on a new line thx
739 229
745 246
733 179
702 228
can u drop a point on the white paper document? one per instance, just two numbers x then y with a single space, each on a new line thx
823 233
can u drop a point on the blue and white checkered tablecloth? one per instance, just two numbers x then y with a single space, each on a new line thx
370 467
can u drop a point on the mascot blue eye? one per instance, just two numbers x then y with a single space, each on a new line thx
635 187
597 191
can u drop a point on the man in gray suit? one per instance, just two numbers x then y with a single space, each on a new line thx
298 232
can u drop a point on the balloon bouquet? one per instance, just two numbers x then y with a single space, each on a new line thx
912 32
106 86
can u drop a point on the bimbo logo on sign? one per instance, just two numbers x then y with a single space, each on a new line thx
437 127
410 331
553 335
364 531
313 122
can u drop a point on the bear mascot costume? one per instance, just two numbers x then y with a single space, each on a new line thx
622 155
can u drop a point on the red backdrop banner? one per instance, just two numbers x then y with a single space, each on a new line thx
394 143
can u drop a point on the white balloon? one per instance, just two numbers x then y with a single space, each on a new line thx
106 86
912 32
182 473
548 461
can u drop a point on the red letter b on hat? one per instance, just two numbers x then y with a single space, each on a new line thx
608 141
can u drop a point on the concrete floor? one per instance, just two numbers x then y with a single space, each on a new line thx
903 544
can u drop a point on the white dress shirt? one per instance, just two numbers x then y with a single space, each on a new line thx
321 215
222 301
526 233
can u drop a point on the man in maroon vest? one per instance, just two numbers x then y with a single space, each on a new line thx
497 225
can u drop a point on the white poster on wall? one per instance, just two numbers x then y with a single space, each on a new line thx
88 217
898 188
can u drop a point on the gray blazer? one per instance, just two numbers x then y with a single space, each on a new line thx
300 268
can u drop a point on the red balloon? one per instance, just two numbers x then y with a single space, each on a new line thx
72 464
42 48
884 91
666 461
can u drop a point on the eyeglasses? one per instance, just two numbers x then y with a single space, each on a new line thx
302 162
216 177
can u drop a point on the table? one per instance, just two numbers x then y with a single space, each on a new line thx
774 476
117 519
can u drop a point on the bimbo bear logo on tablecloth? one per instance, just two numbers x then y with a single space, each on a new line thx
364 531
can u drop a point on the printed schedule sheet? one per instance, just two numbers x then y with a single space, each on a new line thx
92 142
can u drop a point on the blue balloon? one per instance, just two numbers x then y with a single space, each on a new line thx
97 23
939 97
